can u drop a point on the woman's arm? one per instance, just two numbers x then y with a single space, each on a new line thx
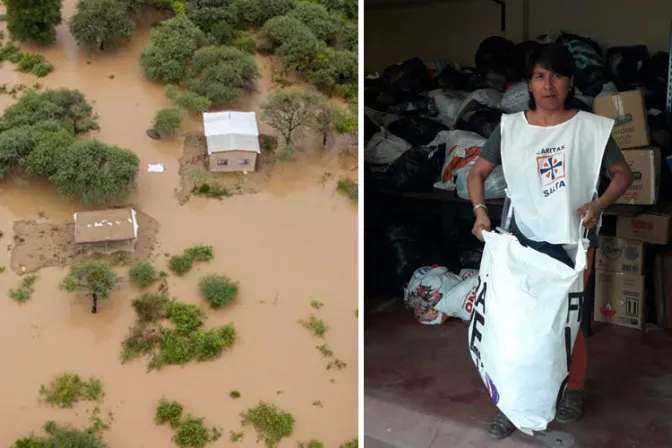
476 180
621 179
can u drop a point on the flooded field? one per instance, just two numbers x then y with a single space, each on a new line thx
292 243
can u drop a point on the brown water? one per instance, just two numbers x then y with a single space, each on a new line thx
286 246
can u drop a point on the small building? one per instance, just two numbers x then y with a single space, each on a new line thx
107 230
232 139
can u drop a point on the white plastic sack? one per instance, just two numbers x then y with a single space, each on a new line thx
445 105
384 148
495 184
516 98
427 287
461 149
525 320
459 301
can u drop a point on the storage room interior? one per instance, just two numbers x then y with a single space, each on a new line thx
434 90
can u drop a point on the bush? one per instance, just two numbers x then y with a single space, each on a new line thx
151 307
254 13
177 348
95 172
315 325
348 188
143 274
333 69
168 121
200 253
66 436
218 290
180 264
222 74
347 37
317 19
293 41
215 20
192 434
169 412
271 424
67 389
99 24
48 141
190 101
187 317
66 106
34 20
243 41
25 291
173 44
42 69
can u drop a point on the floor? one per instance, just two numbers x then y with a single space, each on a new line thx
422 389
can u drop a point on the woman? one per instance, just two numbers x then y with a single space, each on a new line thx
552 156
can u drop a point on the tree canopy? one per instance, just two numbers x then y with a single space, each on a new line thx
92 277
291 110
34 20
98 24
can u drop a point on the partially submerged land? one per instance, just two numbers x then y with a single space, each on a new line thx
232 319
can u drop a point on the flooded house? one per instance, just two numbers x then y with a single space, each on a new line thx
232 139
107 230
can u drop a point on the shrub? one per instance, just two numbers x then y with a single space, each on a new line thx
169 412
333 70
143 274
187 317
222 74
42 69
180 264
173 44
315 325
254 13
243 41
26 290
271 424
34 21
67 389
317 19
98 24
168 121
28 61
193 434
218 290
151 307
201 345
190 101
200 253
66 106
349 188
293 41
48 140
95 172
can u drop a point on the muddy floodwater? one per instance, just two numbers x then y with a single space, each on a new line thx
293 242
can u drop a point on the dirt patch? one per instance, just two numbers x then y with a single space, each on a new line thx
194 168
39 245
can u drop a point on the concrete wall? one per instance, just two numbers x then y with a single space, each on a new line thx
233 161
453 29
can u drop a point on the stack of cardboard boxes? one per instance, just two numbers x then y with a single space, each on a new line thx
620 286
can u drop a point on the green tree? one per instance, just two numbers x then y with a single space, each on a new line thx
347 37
291 110
215 18
327 119
168 121
95 278
221 74
95 172
34 20
66 106
173 44
190 101
99 24
293 41
317 19
254 13
335 72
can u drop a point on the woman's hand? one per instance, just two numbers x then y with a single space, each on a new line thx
482 223
590 213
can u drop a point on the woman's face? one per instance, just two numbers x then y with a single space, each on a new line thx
549 89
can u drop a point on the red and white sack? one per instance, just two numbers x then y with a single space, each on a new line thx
427 287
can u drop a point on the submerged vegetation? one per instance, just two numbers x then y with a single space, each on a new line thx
67 389
271 423
181 264
190 431
25 291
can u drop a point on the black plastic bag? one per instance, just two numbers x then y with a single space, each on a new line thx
629 66
482 120
452 78
379 97
417 131
415 170
409 75
370 129
497 54
591 74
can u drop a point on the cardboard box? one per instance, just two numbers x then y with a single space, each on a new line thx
620 255
652 228
619 299
631 129
645 167
663 293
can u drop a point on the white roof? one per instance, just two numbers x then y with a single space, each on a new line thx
231 131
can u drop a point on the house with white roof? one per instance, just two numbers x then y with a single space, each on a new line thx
232 140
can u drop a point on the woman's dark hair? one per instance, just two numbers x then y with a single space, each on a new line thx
556 58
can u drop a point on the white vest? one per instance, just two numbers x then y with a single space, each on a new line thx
551 171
